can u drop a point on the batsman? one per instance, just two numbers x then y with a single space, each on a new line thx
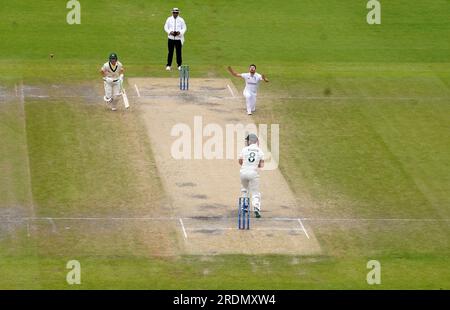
112 72
251 159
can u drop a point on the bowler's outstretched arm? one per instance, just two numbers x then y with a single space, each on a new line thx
234 73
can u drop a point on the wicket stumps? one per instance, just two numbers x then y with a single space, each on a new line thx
184 77
244 213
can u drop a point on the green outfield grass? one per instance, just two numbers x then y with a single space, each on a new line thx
85 165
364 114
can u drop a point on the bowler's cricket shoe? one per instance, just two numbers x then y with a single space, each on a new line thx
113 109
257 214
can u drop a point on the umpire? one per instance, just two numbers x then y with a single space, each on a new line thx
175 28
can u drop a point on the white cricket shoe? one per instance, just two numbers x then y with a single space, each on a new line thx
249 113
113 109
168 68
179 68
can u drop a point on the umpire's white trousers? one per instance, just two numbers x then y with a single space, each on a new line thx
250 183
250 100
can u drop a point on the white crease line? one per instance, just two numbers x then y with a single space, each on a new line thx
22 93
258 229
224 219
373 219
231 91
28 229
137 90
22 106
259 96
17 91
141 96
350 98
104 218
53 224
184 230
303 227
44 96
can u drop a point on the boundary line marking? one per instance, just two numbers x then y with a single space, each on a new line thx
303 228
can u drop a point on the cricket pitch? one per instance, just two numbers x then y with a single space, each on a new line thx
203 193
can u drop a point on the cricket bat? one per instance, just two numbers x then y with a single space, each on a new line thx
124 96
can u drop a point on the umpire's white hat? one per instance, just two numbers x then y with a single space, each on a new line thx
175 10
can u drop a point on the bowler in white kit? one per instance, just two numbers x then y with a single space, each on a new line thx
252 79
251 159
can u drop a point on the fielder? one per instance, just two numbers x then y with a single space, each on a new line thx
250 159
112 73
252 79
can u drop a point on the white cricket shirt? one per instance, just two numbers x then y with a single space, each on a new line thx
112 72
251 156
175 24
252 82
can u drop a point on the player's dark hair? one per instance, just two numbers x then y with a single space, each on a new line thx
253 66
